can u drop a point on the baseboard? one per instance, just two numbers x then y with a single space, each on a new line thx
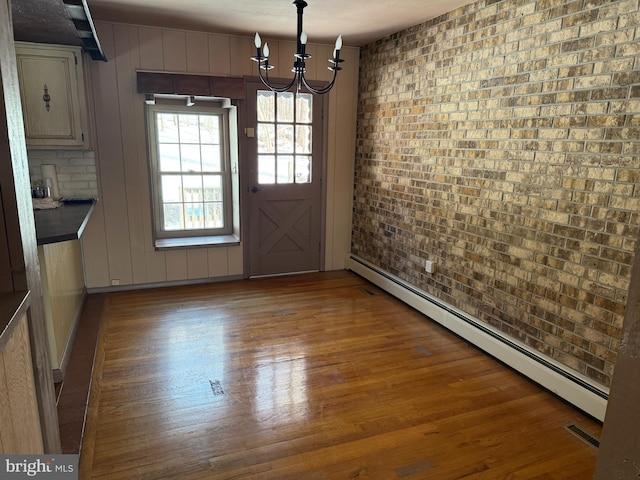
176 283
572 386
59 373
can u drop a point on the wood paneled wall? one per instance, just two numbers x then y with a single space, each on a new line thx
118 239
20 432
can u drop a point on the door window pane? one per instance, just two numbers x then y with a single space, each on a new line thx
266 106
303 138
266 138
285 107
266 169
304 102
303 169
285 138
285 169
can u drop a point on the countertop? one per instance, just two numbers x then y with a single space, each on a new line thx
64 223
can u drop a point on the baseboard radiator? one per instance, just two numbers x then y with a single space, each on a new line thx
573 387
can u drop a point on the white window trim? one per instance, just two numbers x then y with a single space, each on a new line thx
228 236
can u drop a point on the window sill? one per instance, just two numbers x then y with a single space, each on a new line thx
197 242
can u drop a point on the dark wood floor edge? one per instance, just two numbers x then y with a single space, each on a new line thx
73 398
86 450
59 373
101 298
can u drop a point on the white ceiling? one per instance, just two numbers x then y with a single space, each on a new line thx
359 21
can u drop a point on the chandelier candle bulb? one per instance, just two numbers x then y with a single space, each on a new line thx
266 50
303 38
258 40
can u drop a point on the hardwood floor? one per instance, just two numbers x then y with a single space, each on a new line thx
318 376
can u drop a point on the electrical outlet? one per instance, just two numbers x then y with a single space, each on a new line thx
429 266
115 282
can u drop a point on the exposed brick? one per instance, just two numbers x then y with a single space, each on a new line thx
502 139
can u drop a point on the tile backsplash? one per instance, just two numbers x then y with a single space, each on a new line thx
76 171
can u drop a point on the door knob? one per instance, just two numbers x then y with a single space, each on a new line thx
254 189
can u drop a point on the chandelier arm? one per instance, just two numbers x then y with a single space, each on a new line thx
323 90
267 83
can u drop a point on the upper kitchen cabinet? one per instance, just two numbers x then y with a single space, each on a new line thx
52 88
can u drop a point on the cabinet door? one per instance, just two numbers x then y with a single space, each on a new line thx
52 90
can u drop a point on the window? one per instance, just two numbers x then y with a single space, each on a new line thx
284 137
190 173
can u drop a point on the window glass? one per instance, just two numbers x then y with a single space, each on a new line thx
303 138
266 106
189 165
266 138
171 188
285 107
303 108
303 169
211 158
167 128
266 169
285 168
190 156
189 129
169 154
214 217
209 129
284 137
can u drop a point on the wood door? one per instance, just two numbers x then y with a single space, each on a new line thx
285 184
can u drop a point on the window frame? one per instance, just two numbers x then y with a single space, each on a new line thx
190 237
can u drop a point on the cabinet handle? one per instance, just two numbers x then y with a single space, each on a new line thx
46 97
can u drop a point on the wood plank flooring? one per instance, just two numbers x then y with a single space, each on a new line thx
317 376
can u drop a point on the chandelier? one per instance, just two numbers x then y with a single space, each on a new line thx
262 57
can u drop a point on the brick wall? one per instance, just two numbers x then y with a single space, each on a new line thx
75 169
502 142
